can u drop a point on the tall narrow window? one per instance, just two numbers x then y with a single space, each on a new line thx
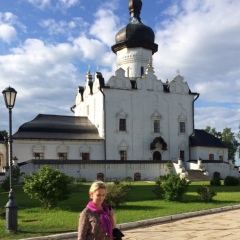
182 127
123 155
62 156
211 156
122 124
85 156
38 156
182 155
142 71
156 126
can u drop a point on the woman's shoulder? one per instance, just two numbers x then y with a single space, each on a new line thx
87 211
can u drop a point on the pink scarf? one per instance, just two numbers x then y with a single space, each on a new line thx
104 216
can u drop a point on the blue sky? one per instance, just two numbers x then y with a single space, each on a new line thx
47 46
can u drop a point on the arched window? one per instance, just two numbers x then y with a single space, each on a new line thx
137 176
211 156
157 156
100 176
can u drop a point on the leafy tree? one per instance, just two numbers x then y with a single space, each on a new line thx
228 137
4 133
48 186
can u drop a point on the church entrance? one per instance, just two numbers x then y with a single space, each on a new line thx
157 156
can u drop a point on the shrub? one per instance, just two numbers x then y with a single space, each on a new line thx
216 181
6 183
48 186
117 194
158 190
174 187
16 175
2 212
128 179
205 193
231 181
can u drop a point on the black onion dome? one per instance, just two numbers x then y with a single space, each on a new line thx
135 34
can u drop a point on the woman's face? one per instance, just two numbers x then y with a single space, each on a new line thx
98 196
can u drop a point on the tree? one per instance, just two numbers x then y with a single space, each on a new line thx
48 186
228 137
4 133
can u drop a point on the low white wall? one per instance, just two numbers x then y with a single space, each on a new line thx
111 171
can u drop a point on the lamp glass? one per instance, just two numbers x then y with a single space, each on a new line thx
9 97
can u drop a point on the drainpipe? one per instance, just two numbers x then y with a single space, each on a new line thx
193 123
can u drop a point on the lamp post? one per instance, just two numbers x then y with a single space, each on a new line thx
9 95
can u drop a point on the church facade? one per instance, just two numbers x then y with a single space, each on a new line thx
131 125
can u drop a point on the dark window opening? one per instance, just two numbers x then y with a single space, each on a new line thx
122 124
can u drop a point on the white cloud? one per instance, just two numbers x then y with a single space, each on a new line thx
105 26
60 4
40 3
63 27
7 33
67 3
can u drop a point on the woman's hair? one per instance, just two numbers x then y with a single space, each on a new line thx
96 185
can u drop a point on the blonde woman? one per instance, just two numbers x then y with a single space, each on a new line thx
96 221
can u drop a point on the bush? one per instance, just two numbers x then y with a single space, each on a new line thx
205 193
2 212
6 183
117 194
158 190
231 181
174 187
215 181
16 175
48 186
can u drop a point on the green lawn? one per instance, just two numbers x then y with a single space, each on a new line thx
143 204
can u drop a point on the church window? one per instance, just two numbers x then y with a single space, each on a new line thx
122 124
221 158
142 71
85 156
182 155
156 126
182 127
62 156
211 156
38 155
123 155
157 156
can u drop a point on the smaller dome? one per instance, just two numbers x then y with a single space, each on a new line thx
135 31
135 34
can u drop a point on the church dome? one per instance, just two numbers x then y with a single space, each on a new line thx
135 34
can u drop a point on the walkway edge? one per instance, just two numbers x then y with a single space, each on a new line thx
143 223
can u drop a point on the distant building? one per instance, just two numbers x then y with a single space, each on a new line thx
131 125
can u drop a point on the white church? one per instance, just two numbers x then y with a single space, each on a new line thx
131 125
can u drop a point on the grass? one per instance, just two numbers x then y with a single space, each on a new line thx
33 221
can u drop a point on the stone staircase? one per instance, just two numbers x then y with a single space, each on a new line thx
197 176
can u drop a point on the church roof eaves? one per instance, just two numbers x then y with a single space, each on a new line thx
202 138
58 127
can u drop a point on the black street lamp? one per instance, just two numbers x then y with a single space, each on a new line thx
9 95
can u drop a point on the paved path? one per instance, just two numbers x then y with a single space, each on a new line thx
223 225
214 224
